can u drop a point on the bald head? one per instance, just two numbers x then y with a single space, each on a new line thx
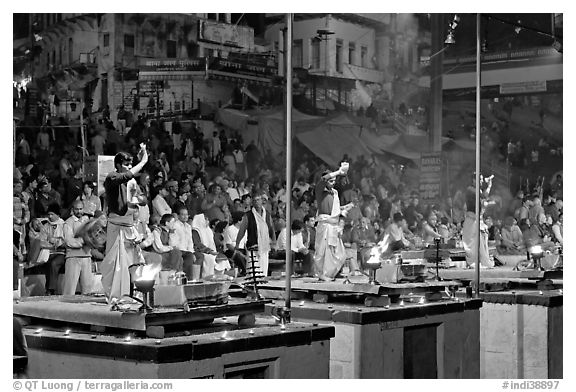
77 208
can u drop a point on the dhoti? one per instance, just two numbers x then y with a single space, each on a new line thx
470 241
120 254
329 253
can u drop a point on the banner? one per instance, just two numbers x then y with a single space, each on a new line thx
430 177
96 168
523 87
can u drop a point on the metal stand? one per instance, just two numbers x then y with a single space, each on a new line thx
437 242
253 273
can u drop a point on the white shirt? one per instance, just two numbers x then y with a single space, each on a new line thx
233 193
238 156
160 206
296 244
230 234
181 238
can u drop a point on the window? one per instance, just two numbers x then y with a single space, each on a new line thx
70 51
364 56
48 60
297 53
106 40
211 16
315 45
351 53
339 60
54 57
171 49
129 44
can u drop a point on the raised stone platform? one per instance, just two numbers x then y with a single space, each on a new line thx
264 350
94 311
338 286
431 340
522 334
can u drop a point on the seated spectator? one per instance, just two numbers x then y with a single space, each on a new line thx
171 256
533 235
45 197
522 212
300 251
364 236
52 238
512 240
160 206
309 231
181 238
203 238
300 212
444 229
238 256
396 233
558 231
429 231
171 196
213 203
145 239
90 201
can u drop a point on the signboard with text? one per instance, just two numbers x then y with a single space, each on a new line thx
430 177
96 168
165 65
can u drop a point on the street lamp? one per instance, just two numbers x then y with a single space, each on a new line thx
324 35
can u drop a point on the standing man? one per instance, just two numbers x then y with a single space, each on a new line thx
21 214
329 250
78 255
120 253
470 226
257 223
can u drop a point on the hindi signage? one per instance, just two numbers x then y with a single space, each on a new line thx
165 65
523 87
430 177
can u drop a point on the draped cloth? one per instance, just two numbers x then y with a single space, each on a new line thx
120 254
330 253
263 240
206 235
470 241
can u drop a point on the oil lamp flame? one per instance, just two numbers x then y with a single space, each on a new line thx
148 272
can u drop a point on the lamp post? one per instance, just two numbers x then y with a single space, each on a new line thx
324 35
477 201
285 312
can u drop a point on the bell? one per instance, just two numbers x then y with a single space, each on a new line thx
450 39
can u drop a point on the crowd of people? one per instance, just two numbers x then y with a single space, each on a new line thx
199 202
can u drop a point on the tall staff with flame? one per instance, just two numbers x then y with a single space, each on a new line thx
122 200
330 253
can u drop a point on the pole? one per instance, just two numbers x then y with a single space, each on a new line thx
82 136
14 142
478 210
326 38
288 51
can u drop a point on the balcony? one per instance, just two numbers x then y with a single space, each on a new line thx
350 71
